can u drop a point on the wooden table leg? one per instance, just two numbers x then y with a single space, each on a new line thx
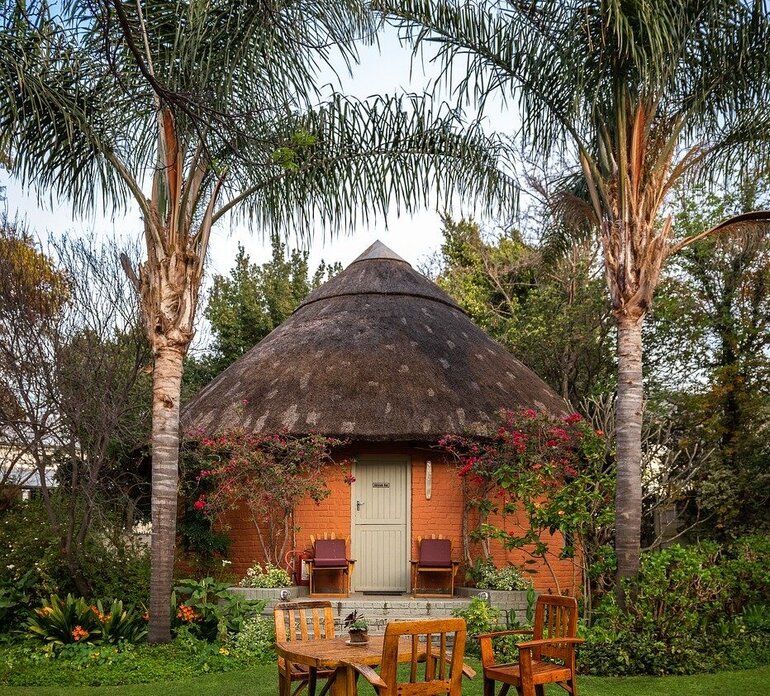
344 682
312 678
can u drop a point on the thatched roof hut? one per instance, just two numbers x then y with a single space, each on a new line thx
378 353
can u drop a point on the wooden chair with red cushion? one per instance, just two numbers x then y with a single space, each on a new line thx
549 658
330 557
435 560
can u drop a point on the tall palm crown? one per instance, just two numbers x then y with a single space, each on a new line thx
641 94
212 106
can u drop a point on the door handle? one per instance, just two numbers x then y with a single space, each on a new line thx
358 505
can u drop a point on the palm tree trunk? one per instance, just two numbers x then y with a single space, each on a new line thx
628 496
167 381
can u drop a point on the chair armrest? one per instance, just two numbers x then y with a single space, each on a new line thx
495 634
485 641
367 673
530 644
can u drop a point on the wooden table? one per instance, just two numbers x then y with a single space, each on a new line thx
332 654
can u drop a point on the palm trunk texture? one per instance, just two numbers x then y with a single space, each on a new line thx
628 496
167 382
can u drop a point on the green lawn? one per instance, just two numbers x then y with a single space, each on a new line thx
261 681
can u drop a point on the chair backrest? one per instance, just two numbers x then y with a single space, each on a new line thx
303 620
436 553
330 553
555 617
433 669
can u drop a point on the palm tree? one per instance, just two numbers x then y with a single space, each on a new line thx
212 106
642 94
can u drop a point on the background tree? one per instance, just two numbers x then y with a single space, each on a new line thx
73 358
212 107
719 290
642 94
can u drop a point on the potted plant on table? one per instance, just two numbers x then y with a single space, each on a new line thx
358 628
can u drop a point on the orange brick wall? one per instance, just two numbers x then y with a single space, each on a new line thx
439 515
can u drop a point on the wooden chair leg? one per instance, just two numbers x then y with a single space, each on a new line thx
312 678
540 690
489 687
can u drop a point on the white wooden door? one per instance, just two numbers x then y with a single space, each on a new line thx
380 498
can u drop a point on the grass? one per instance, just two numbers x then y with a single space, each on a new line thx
261 681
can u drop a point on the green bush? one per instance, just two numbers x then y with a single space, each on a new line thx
691 609
113 565
509 577
256 640
210 611
269 576
61 622
15 597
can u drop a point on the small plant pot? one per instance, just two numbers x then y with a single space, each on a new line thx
358 637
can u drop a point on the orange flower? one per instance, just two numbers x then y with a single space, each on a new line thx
79 632
187 614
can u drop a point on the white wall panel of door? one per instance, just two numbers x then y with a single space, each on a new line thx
380 535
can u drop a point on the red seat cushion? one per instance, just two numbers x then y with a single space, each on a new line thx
330 553
436 553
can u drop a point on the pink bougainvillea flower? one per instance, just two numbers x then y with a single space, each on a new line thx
573 418
529 413
199 504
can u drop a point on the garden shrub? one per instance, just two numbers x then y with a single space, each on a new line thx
691 609
114 565
15 598
210 611
509 577
256 640
61 622
269 576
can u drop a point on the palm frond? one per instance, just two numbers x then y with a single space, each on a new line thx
367 156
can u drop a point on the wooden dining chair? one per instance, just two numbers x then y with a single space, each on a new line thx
433 667
305 620
549 658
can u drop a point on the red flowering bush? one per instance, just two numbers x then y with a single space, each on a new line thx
555 471
264 476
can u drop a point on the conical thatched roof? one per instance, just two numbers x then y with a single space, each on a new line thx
378 353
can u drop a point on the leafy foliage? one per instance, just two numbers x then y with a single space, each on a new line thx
266 475
269 576
15 598
209 611
552 471
73 620
488 577
256 639
691 609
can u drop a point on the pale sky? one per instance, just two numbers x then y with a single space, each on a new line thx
413 238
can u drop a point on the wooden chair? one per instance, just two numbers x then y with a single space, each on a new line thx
547 659
433 668
329 555
302 621
435 559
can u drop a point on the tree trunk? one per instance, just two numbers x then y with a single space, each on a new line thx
167 381
628 496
